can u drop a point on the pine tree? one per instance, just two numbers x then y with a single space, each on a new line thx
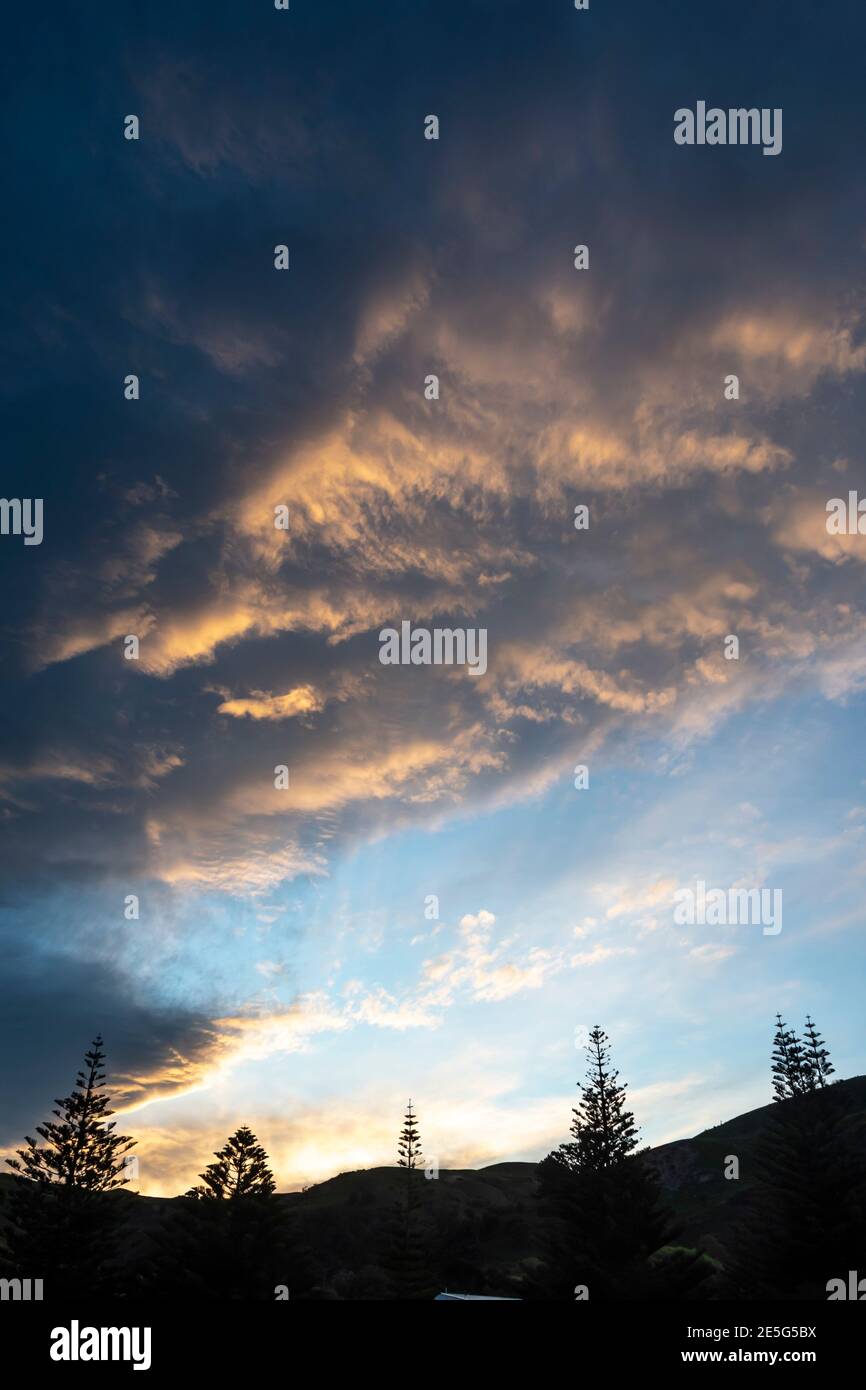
241 1170
604 1131
409 1150
606 1226
817 1058
81 1149
405 1255
64 1221
230 1237
790 1070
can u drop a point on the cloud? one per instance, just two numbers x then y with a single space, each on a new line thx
261 705
599 954
210 860
797 347
481 966
799 523
710 954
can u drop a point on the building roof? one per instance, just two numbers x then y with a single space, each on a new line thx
472 1298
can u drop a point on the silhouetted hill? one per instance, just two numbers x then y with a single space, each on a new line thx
707 1204
484 1225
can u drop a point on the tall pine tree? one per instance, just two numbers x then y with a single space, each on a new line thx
409 1151
604 1131
606 1227
405 1256
65 1222
790 1069
816 1058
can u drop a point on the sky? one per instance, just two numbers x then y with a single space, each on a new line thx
432 907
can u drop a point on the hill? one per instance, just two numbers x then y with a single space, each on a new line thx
691 1170
484 1225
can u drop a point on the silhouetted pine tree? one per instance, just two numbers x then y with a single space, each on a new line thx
606 1226
241 1170
604 1131
790 1072
405 1257
64 1222
230 1237
817 1058
409 1152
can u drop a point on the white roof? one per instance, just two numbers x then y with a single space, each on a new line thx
472 1298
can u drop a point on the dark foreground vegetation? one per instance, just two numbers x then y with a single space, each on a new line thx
770 1204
